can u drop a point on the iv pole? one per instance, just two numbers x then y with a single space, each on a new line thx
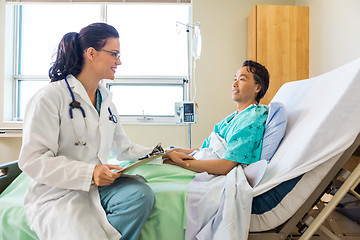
189 79
187 83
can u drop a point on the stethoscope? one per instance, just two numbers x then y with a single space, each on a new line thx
76 104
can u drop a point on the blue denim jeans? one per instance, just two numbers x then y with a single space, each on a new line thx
128 204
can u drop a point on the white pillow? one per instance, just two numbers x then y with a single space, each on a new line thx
254 172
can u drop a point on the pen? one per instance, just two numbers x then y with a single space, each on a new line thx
143 157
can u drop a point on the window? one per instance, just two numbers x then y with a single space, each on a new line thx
154 56
146 100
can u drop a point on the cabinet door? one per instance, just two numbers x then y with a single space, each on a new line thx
282 44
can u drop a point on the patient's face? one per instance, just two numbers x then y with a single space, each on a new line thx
244 87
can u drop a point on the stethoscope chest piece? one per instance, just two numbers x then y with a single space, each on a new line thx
112 117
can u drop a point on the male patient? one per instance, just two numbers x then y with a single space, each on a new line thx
238 138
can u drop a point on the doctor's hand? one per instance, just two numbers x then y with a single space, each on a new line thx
103 175
178 158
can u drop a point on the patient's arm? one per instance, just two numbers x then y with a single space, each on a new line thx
217 166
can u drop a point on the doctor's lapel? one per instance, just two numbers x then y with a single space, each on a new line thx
79 89
106 127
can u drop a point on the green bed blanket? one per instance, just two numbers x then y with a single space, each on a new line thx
167 221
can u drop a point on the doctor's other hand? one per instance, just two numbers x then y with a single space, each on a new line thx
178 158
103 175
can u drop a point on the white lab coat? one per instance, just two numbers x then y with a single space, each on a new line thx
62 202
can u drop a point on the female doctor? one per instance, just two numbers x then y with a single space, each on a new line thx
70 127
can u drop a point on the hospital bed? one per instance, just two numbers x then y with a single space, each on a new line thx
322 133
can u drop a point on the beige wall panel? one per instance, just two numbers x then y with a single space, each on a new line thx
223 29
9 149
251 35
334 33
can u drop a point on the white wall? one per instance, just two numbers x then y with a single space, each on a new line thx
334 41
223 31
334 33
223 28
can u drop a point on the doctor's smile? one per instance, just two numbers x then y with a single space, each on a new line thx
115 54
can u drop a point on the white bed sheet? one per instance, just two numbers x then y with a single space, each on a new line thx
323 121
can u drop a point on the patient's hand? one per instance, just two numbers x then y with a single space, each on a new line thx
177 158
186 151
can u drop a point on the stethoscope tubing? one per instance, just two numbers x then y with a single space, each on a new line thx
76 104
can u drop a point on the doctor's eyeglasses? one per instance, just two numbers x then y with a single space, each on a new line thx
116 55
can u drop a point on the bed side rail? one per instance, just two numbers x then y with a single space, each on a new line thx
8 172
286 228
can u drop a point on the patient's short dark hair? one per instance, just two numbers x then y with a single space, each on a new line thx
261 76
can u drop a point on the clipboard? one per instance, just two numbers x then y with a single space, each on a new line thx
158 151
142 161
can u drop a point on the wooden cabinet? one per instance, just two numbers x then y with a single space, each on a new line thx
278 38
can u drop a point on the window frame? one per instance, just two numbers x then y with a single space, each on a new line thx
16 77
148 81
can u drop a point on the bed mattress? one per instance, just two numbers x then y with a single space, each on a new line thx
274 207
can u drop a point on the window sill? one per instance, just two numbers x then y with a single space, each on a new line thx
148 121
11 129
13 133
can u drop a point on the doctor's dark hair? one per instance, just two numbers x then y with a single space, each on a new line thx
69 55
261 76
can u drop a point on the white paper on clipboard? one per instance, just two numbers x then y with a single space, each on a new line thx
140 163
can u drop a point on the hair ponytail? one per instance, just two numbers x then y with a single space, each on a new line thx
68 58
